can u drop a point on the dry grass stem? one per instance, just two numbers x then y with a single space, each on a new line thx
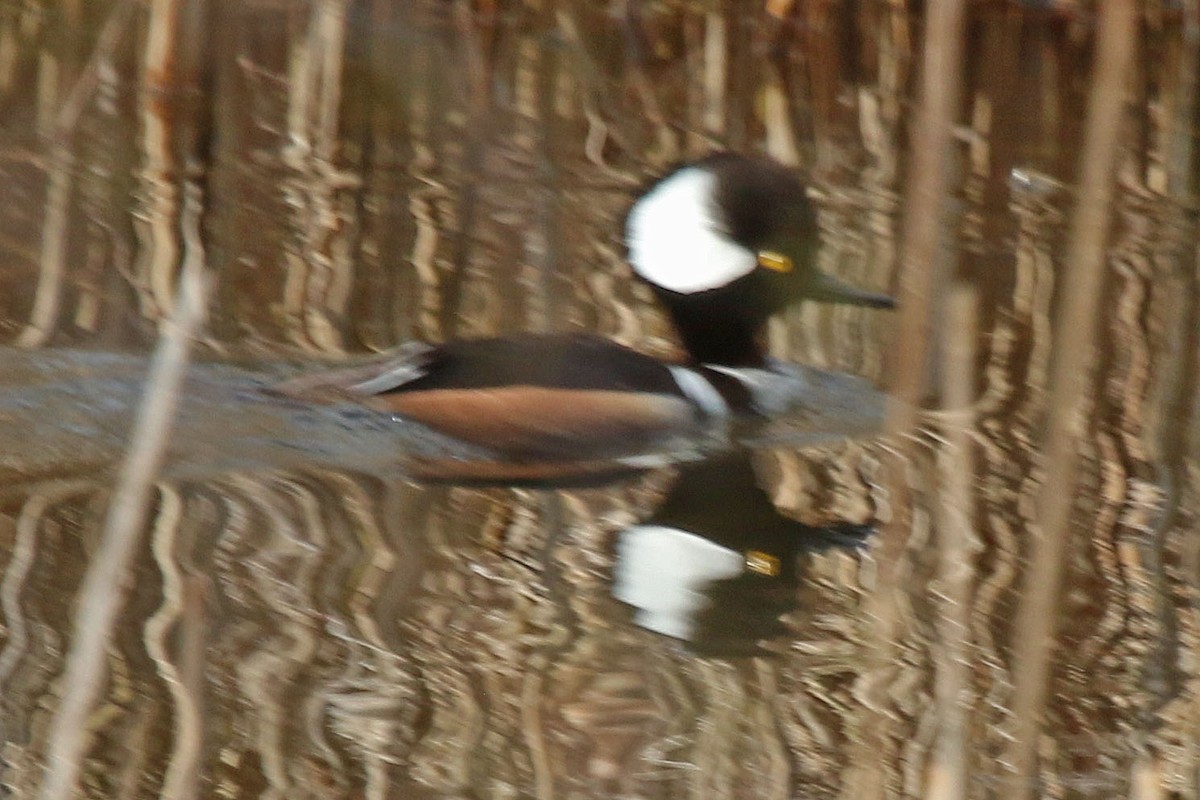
1174 411
88 81
1084 269
52 262
104 585
929 167
929 171
715 77
160 255
47 297
957 545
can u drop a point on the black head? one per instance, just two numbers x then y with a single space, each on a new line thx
726 242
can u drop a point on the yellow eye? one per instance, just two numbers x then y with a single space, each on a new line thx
762 563
776 262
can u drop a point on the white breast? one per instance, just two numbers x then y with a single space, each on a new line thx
676 240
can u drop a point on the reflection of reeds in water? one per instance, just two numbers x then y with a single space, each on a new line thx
383 171
1075 334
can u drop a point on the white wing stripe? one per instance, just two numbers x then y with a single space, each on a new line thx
696 388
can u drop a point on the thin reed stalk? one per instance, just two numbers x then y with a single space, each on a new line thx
1177 380
929 176
1084 269
929 168
52 261
105 583
948 776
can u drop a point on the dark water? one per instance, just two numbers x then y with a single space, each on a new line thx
306 619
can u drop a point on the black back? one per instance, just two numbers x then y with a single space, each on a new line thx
558 361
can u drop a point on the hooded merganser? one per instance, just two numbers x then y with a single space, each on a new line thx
717 565
723 242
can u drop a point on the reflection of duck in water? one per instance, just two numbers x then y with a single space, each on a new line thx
724 243
717 565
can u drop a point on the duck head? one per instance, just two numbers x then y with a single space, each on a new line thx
725 242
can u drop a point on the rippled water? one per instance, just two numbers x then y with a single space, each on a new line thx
305 619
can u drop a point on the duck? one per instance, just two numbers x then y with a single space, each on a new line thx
723 242
717 565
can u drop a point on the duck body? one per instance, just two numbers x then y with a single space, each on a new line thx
578 409
542 397
724 243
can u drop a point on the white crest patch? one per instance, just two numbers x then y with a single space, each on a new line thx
675 238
